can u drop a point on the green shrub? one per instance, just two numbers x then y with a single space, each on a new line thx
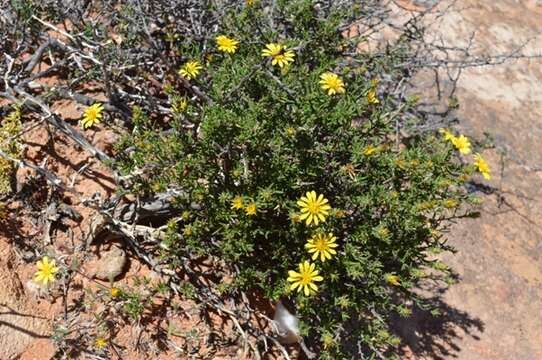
9 129
257 137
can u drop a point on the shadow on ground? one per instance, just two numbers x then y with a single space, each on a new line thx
435 334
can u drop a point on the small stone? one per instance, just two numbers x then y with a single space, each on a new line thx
110 265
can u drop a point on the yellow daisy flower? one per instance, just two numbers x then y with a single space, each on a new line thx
370 150
462 144
226 44
392 279
46 271
305 278
190 69
313 208
251 209
100 342
237 203
332 83
482 166
450 203
322 245
115 292
371 97
280 55
92 115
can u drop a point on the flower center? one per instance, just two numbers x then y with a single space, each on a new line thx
321 244
92 114
333 83
314 207
305 278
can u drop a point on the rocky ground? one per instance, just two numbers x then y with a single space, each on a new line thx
494 310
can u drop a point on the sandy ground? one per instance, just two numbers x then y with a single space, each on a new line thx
494 312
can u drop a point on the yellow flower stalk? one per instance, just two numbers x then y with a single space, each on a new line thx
279 54
237 203
226 44
313 208
251 209
482 166
332 83
92 115
305 278
46 271
322 245
190 69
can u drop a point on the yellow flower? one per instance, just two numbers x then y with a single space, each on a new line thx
450 203
251 209
371 97
115 292
447 134
92 115
237 203
190 70
46 271
482 166
322 245
392 279
250 2
100 342
305 278
226 44
279 54
369 150
313 208
332 83
328 341
187 231
462 144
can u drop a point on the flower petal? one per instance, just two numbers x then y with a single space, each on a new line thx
292 273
